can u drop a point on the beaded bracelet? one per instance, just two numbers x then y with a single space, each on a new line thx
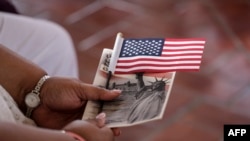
74 135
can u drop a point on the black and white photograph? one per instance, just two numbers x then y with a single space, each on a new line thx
144 95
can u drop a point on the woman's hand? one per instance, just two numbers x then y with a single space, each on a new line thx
63 100
92 130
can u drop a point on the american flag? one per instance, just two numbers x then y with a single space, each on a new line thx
160 55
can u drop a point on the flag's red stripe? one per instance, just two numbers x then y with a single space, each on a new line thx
157 67
189 39
154 71
186 54
198 45
158 64
158 60
176 50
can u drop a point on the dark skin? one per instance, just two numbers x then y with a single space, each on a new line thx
62 103
61 106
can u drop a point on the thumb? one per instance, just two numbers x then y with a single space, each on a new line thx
90 92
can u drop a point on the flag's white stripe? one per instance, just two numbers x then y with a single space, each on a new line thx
182 47
156 68
181 52
161 57
157 63
184 42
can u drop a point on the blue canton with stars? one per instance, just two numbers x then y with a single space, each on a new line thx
142 47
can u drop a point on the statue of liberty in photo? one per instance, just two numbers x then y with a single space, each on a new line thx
149 99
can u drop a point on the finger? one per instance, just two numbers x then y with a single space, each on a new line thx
101 119
116 131
91 92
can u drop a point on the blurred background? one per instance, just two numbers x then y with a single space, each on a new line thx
200 102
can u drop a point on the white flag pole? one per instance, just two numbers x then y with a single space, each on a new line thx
114 57
116 52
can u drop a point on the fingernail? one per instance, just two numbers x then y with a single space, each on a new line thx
117 90
101 116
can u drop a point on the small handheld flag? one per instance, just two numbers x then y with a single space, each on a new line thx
159 55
